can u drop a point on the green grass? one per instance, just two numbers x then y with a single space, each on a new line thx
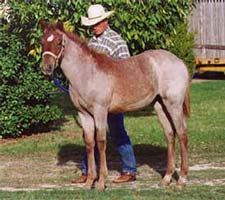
38 144
190 193
206 175
206 126
64 144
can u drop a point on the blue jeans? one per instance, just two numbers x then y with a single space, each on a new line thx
121 140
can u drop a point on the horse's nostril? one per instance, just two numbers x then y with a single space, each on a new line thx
50 67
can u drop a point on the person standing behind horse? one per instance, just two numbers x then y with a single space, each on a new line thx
107 41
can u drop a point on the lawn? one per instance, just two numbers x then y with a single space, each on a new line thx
41 166
191 193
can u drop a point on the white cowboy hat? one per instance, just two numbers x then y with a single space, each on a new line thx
96 13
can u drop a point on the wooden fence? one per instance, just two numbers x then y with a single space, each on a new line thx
208 21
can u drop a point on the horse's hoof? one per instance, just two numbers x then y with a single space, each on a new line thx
166 181
181 183
100 186
87 186
180 186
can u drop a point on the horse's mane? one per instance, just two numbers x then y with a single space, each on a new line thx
104 62
81 42
101 58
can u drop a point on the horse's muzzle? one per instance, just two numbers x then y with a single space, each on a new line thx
48 69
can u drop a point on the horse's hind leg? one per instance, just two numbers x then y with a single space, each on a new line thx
170 139
181 130
176 111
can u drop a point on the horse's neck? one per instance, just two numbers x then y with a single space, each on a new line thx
76 64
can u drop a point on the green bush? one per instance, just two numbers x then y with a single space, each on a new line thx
182 45
24 93
155 24
24 99
143 24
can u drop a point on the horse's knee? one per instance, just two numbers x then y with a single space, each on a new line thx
89 146
100 134
101 145
170 137
183 137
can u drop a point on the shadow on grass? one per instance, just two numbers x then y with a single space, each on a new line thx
153 156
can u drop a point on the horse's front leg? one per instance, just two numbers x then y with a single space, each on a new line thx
87 123
100 125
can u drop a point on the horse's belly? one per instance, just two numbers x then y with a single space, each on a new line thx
130 107
127 103
134 89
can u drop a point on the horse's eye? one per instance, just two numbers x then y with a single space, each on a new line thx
42 41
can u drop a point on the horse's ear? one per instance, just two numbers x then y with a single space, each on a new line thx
43 23
59 26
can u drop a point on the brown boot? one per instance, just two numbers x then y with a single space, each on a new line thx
125 177
81 179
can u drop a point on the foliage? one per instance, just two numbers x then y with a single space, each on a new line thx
24 98
24 92
155 24
143 24
182 45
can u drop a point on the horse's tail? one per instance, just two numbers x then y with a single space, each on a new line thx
187 103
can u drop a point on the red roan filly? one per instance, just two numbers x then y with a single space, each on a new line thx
99 85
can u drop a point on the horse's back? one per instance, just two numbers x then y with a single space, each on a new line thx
165 61
138 79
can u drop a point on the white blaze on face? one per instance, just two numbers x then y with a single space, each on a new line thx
50 38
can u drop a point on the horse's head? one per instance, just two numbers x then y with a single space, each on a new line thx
52 45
